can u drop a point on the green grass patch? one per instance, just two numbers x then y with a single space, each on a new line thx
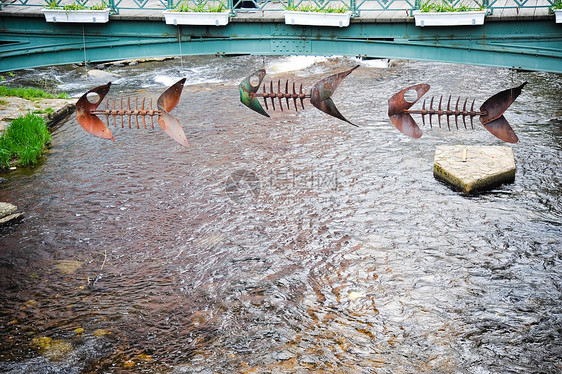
100 6
52 4
30 93
23 141
444 6
200 7
55 4
48 111
318 9
74 6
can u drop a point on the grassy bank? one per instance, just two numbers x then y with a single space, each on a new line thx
30 93
23 141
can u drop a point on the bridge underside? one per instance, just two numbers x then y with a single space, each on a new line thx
27 42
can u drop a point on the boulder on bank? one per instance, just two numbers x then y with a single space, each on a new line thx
8 214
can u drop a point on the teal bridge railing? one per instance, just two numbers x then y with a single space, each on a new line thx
517 34
356 7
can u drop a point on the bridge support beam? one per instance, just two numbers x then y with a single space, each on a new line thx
26 42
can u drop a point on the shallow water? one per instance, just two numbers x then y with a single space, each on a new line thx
285 245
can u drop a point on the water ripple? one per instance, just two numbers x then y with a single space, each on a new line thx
289 244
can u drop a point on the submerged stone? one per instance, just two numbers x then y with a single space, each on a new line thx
68 266
101 332
474 168
53 349
144 357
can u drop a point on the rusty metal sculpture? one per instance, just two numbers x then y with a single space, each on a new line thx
87 112
490 113
320 94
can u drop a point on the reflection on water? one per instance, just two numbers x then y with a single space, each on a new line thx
285 245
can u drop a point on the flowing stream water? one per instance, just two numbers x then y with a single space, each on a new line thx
290 244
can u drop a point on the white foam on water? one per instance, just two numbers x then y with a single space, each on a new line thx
166 80
382 63
293 63
193 78
202 80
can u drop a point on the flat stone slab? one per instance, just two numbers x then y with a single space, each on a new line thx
6 209
10 219
14 107
8 214
474 168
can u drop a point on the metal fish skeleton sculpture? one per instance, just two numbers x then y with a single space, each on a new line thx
87 112
320 94
490 113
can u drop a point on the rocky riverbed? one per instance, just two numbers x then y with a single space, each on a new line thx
14 107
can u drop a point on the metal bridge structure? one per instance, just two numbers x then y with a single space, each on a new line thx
520 34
